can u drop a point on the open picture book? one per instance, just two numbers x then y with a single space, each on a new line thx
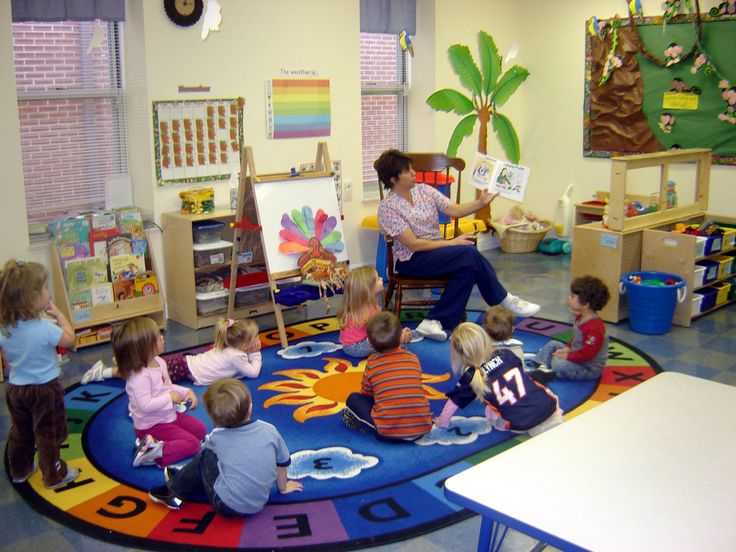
494 175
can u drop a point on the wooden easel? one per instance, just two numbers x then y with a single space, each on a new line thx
247 220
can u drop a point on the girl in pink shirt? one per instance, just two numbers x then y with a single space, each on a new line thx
236 354
164 436
359 305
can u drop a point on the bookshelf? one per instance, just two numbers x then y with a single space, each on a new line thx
91 325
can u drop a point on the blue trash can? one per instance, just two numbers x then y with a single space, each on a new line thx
651 307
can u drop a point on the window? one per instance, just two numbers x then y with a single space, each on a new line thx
72 114
384 86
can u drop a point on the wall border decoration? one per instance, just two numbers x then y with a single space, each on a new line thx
197 140
654 84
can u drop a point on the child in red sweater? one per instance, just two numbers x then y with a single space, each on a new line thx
585 355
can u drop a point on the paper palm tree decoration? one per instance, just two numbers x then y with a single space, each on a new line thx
312 236
488 92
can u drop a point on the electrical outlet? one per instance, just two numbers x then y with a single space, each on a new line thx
306 167
347 190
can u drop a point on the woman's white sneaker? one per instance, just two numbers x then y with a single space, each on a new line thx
431 329
520 307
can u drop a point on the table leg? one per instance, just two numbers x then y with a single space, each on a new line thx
381 257
491 535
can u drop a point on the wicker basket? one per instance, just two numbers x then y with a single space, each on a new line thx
516 240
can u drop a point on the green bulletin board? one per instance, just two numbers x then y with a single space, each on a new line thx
646 105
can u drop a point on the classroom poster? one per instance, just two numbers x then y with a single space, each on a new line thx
298 108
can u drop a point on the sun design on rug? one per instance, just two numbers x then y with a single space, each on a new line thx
324 392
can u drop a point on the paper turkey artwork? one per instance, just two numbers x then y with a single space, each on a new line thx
301 222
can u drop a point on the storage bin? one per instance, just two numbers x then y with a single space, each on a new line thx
700 246
729 238
252 295
207 231
722 289
709 298
696 302
651 307
713 244
732 291
208 254
698 276
725 262
711 270
212 302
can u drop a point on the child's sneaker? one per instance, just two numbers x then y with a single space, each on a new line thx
162 495
148 451
71 475
24 478
543 376
94 373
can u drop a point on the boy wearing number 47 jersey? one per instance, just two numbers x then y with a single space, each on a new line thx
514 401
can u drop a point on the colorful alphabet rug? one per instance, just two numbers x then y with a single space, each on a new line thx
358 491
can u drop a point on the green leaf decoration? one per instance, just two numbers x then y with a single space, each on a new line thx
450 100
507 137
490 61
510 81
463 129
465 68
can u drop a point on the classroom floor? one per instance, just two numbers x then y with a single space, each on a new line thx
707 349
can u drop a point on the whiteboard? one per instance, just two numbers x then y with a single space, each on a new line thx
291 198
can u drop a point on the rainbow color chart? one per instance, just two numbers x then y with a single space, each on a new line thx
298 108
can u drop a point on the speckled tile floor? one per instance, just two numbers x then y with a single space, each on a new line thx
707 349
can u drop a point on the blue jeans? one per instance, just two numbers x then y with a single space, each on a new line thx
466 267
361 349
198 476
563 368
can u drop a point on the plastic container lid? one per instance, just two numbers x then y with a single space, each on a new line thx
213 245
207 295
208 224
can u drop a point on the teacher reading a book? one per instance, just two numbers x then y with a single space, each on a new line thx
409 213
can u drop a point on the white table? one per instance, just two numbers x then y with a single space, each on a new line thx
652 469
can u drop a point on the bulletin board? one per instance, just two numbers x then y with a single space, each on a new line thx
642 94
296 212
197 140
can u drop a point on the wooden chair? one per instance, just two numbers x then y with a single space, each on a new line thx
424 163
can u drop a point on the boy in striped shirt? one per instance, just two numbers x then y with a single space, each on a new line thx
391 402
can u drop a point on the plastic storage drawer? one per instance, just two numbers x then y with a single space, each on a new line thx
212 302
709 298
207 231
729 237
208 254
698 276
711 270
713 244
725 262
723 288
696 302
252 295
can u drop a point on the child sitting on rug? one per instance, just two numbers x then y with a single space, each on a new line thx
391 402
239 463
498 322
236 353
513 400
585 355
164 435
359 304
34 393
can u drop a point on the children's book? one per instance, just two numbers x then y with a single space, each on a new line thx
101 294
103 221
83 273
122 244
140 247
123 289
509 180
131 222
146 283
125 267
73 230
81 299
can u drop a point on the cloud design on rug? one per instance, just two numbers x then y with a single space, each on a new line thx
329 463
308 349
461 432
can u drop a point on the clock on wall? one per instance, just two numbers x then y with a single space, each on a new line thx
184 13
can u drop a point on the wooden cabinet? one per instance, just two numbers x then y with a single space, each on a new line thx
677 253
608 253
182 274
90 326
